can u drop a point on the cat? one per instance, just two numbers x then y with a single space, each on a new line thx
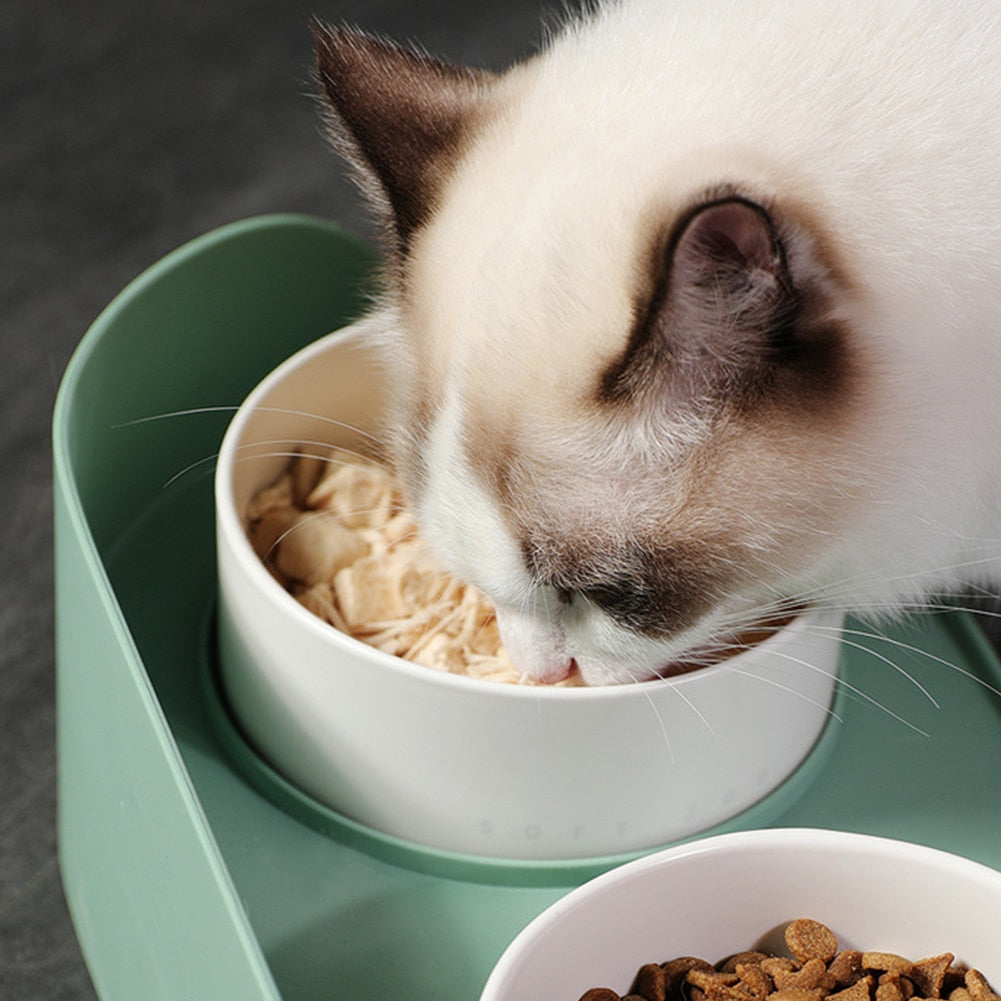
694 316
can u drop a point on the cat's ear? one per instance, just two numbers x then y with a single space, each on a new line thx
399 116
728 266
721 299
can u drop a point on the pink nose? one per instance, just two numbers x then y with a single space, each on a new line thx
555 671
536 645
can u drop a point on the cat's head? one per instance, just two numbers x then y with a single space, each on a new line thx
628 385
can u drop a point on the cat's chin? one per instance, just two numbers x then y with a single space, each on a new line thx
598 673
539 648
547 652
694 658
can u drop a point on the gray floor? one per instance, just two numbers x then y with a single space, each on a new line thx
126 130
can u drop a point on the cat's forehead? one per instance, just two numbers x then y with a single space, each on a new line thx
529 272
506 313
547 245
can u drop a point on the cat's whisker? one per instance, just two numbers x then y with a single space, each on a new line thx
285 411
205 460
663 728
299 524
855 645
293 452
853 690
789 690
171 414
693 707
952 533
850 585
919 652
896 611
846 632
189 468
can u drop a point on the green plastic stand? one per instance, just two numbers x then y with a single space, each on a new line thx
191 869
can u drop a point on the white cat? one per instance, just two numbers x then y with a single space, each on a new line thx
694 316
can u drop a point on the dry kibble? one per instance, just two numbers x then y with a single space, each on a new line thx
816 971
954 977
846 968
754 978
600 994
976 984
812 975
890 988
742 959
712 978
885 962
861 990
703 985
928 975
808 939
676 972
650 983
778 966
798 994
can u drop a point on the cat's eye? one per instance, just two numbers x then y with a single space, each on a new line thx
632 605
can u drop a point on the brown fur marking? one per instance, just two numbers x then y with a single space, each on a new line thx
402 118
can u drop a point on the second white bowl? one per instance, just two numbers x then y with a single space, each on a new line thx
723 895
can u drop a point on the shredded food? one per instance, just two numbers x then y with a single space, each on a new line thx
335 532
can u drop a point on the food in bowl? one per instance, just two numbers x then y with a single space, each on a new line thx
813 969
336 533
720 896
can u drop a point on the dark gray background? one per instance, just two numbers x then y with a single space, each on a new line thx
125 130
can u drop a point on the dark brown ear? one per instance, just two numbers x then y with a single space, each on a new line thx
722 302
399 116
728 261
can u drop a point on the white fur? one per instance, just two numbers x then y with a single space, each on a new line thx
543 636
885 117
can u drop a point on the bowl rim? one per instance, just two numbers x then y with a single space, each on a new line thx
230 527
754 840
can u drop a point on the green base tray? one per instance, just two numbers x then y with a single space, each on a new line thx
191 869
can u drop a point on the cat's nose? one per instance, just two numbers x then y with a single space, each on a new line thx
554 671
536 646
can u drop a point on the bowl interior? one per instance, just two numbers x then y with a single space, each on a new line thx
306 405
721 895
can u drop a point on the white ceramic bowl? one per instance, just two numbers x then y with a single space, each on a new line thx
722 895
470 766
